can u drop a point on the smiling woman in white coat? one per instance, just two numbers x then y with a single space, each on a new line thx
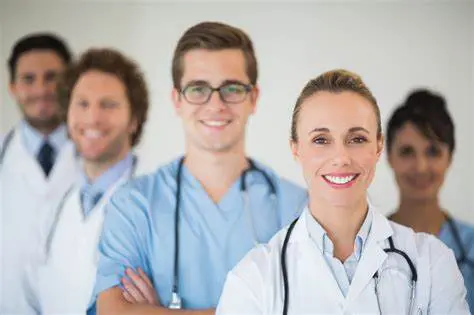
341 256
106 100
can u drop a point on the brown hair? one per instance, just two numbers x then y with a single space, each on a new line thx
335 81
112 62
213 36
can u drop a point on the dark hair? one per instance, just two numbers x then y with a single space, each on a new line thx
427 111
335 81
112 62
38 41
213 36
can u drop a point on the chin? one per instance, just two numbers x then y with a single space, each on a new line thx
343 200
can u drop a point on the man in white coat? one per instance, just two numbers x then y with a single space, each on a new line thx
105 96
37 161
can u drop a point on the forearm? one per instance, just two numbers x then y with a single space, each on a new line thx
111 302
143 309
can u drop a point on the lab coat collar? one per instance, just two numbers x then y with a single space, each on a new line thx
372 257
380 229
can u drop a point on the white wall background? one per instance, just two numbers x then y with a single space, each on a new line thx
395 46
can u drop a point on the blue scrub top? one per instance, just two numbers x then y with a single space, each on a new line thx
466 232
139 231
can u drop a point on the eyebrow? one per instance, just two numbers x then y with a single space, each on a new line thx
319 130
356 129
353 129
225 82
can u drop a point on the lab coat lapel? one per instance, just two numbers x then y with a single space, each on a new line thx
61 177
23 163
66 167
373 255
312 265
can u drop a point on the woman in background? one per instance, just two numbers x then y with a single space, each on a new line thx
420 144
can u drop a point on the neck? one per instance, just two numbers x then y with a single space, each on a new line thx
216 171
341 223
95 168
421 215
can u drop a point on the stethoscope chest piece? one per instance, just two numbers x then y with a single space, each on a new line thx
175 303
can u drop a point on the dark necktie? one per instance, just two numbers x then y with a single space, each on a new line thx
46 157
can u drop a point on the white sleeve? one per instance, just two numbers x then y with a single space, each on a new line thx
448 293
243 292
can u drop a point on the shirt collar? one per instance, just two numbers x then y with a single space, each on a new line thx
324 243
34 139
252 177
108 178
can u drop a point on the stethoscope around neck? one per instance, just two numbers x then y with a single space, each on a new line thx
176 301
388 250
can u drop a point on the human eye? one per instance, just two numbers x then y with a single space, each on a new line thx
320 140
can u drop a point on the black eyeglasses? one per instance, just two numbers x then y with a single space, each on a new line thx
200 93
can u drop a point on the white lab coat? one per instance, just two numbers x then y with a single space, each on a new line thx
65 276
26 197
255 285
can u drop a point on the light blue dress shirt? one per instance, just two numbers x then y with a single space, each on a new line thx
33 139
139 231
343 271
92 192
466 233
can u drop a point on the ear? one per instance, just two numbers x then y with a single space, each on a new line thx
12 88
295 150
133 125
176 99
380 145
254 95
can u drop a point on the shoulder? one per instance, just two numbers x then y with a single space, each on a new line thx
264 255
425 245
466 233
149 183
7 137
140 191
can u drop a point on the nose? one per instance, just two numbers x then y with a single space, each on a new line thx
341 156
41 86
421 164
93 114
215 102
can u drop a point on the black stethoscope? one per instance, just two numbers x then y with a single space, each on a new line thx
6 143
176 302
390 249
462 259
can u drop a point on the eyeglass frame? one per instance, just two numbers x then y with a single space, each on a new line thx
247 87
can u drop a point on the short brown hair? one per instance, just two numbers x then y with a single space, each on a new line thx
213 36
335 81
112 62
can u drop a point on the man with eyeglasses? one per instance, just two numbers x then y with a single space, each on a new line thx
170 238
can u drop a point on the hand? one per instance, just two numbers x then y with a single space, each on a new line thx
138 289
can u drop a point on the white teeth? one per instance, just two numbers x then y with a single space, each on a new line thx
339 180
215 123
93 134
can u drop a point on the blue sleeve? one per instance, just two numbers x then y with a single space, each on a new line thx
293 200
124 239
